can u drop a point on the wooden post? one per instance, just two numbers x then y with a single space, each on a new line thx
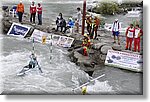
83 17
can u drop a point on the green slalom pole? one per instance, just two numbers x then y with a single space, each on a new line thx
33 45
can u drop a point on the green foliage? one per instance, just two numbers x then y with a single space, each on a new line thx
102 22
139 22
108 8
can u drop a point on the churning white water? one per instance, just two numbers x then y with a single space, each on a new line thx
58 77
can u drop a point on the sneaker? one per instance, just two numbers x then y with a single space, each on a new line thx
126 49
130 49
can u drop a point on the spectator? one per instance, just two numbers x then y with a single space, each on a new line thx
79 19
60 22
88 22
20 10
138 34
130 32
39 12
94 27
70 25
115 30
32 12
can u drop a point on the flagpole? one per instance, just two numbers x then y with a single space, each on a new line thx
83 17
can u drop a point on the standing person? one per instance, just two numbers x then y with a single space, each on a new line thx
95 24
130 32
138 34
94 27
39 12
20 10
88 22
79 19
32 12
115 30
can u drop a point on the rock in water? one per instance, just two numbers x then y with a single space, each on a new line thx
97 46
102 57
117 47
105 48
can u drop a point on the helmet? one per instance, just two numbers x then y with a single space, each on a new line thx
34 58
70 18
85 35
116 19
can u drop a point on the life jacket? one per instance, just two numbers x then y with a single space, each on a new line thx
130 32
32 9
85 50
137 32
39 10
116 26
88 20
20 8
86 42
71 23
93 23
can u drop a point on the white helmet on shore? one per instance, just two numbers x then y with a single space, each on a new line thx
116 19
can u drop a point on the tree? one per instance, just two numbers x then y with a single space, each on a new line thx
108 8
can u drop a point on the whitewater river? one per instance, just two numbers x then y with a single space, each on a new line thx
60 76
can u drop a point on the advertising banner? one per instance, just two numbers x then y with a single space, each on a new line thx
18 30
125 60
65 41
45 38
39 35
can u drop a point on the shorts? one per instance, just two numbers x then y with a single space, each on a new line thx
116 33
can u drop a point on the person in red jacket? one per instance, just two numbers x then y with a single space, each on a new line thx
130 32
32 12
39 12
138 34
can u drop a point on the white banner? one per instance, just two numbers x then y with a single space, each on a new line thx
65 41
56 39
38 35
125 60
18 30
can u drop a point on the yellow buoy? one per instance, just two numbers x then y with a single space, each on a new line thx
84 90
43 39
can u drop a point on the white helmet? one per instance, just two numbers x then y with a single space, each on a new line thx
116 19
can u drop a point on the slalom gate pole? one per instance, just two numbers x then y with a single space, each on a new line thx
51 47
33 45
89 82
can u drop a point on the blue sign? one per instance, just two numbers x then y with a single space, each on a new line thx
18 30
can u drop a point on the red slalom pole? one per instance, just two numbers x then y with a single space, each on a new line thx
83 17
